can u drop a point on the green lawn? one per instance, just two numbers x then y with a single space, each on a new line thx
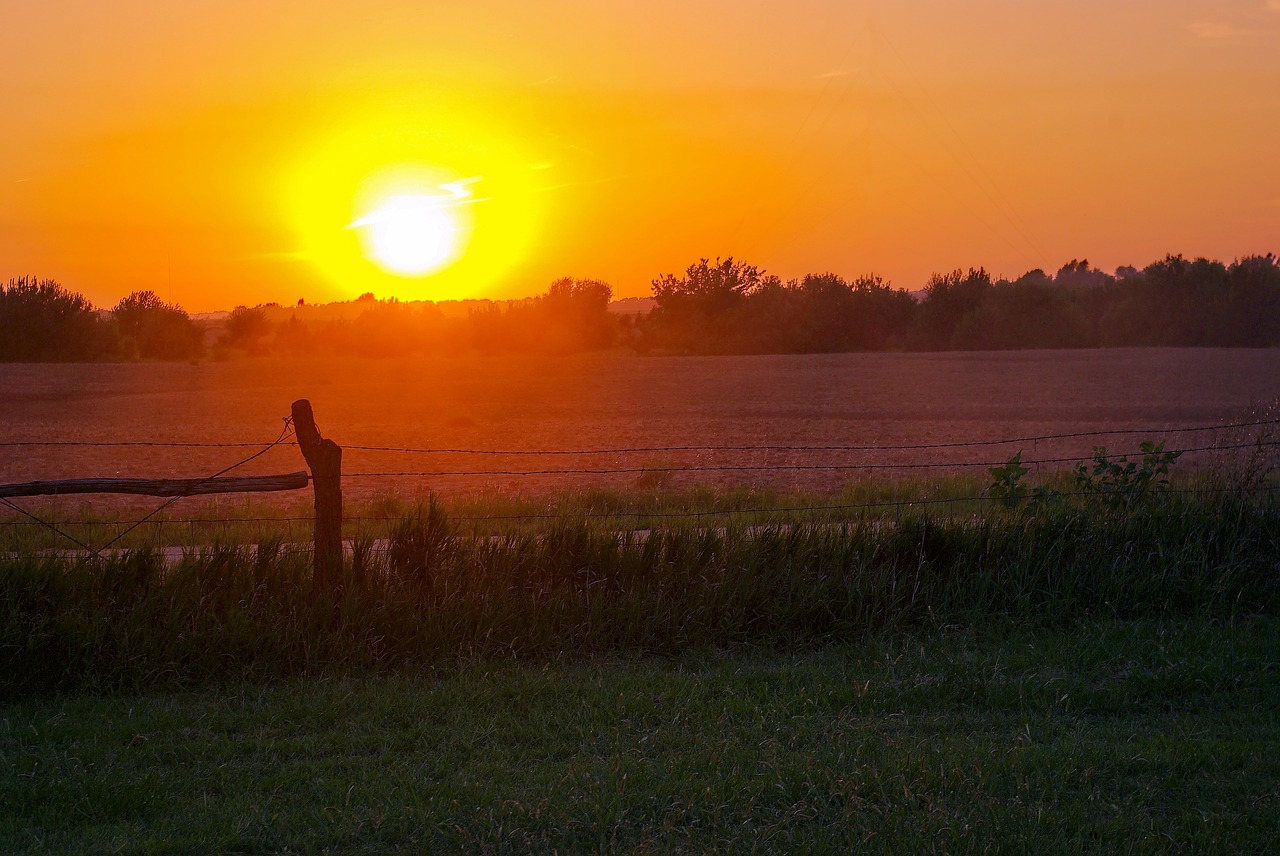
1108 736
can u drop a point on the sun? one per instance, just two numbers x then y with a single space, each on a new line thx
414 204
411 234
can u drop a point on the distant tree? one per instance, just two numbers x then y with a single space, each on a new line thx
1170 270
40 321
1032 312
714 285
154 329
697 311
1184 302
589 294
950 299
294 336
1077 274
393 328
883 315
1263 270
1034 277
1254 288
827 310
246 329
575 315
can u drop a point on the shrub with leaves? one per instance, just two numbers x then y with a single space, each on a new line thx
1122 482
1008 490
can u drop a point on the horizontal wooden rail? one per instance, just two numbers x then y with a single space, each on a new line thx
158 487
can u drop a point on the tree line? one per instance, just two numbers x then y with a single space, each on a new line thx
731 307
41 321
714 307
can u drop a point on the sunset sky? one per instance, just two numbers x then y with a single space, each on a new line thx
228 152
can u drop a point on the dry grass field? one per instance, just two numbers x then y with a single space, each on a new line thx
615 402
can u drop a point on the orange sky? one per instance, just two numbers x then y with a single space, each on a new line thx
213 151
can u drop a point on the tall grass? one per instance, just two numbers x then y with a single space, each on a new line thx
434 594
486 511
437 594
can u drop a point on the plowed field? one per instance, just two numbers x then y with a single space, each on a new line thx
619 403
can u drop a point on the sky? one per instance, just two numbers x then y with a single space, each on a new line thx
223 153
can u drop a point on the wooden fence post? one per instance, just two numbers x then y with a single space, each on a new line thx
324 457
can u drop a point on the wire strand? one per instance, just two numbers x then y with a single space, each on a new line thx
284 434
48 525
830 448
778 467
1114 432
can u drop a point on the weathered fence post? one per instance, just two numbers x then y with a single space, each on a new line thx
325 459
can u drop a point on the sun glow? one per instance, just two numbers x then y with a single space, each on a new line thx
413 207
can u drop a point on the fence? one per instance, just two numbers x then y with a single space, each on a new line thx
324 459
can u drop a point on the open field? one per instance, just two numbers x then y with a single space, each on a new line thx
1080 674
1101 737
616 402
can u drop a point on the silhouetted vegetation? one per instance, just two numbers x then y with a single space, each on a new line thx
438 592
731 307
152 329
245 330
572 316
720 307
40 321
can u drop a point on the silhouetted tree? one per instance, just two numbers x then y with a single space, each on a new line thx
152 329
1254 287
698 311
40 321
1077 274
1032 312
246 329
948 299
574 315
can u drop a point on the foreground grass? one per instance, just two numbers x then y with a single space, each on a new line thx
438 595
1102 736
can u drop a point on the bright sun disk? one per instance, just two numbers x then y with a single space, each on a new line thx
410 234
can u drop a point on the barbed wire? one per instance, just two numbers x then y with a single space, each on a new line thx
285 433
571 514
602 471
36 521
825 448
673 448
774 467
152 519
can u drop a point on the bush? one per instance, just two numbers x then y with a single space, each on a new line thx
40 321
